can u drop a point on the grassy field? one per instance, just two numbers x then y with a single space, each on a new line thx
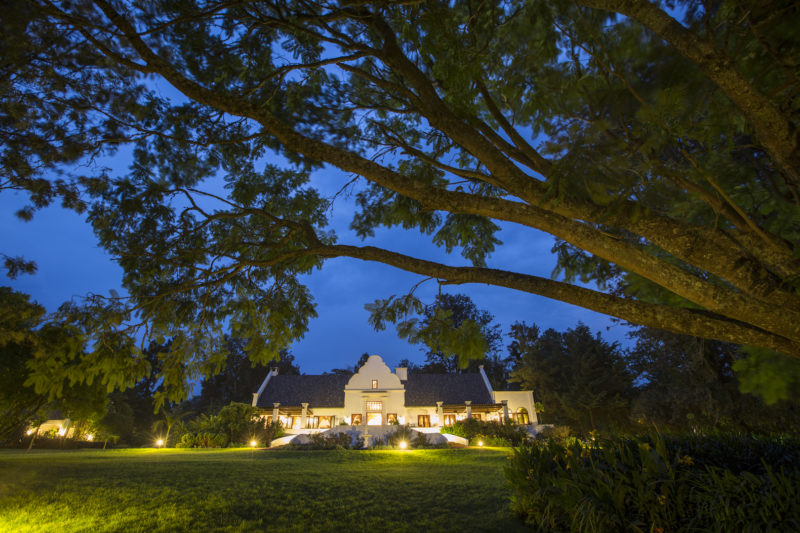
261 490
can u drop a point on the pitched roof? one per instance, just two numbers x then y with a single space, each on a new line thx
427 389
326 390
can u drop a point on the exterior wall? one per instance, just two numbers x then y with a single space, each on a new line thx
517 399
374 369
388 390
413 412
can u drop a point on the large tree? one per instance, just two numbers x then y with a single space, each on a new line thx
685 382
238 378
29 341
657 142
579 379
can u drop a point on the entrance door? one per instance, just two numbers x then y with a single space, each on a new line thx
374 413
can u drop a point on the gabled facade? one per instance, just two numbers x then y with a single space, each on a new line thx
376 395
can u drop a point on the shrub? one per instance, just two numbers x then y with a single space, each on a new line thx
470 428
328 441
203 439
554 432
401 434
488 440
653 483
235 425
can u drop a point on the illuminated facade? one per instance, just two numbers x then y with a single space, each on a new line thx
377 396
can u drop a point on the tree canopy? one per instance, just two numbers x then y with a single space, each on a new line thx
579 378
27 342
657 142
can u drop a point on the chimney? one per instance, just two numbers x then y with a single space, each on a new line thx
402 373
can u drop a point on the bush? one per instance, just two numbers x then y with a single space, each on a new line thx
487 440
554 432
401 434
470 429
235 425
656 483
328 441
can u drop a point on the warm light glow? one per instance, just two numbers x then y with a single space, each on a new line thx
90 437
160 442
403 445
29 432
480 443
62 431
253 443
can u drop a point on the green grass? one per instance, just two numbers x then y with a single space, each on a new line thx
261 490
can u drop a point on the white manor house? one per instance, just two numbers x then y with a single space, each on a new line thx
377 396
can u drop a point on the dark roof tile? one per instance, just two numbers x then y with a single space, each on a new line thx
326 390
427 389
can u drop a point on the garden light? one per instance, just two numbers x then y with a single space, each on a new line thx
480 443
403 445
90 437
159 443
62 431
253 443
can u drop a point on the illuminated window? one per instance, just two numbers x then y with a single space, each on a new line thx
355 419
324 422
391 418
476 416
374 419
449 420
424 421
521 416
374 383
374 406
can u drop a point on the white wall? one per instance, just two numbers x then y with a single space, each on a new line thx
517 399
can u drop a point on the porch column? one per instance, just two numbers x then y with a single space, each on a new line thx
468 403
303 414
275 412
505 410
440 413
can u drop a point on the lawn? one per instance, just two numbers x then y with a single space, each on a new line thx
261 490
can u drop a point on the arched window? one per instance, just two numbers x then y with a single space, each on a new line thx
521 416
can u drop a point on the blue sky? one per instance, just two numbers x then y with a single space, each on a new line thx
70 265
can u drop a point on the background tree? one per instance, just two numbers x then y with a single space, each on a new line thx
239 378
661 145
460 309
28 339
352 369
445 327
689 383
580 379
19 405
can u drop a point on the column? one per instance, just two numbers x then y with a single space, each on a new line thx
303 415
275 412
505 410
468 403
440 413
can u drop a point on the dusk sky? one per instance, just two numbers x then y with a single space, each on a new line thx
72 265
